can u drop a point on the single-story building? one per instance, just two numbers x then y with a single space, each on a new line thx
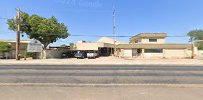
104 46
103 49
154 50
23 48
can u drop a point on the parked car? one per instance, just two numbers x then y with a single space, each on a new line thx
67 55
64 55
92 54
81 55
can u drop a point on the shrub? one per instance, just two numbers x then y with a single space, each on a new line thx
5 47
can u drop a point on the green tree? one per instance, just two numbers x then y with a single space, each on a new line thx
200 47
5 47
63 45
46 30
197 35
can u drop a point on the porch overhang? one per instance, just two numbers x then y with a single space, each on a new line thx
155 46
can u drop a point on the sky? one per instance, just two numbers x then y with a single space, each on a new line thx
94 17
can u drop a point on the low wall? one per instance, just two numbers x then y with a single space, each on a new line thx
200 54
1 55
153 55
54 53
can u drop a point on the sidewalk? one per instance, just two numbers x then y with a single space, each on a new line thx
104 61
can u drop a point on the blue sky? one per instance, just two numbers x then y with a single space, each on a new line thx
94 17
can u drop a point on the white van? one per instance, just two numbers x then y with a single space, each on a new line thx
92 54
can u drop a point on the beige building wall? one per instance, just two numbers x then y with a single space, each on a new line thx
23 48
146 41
200 54
127 52
90 46
109 41
120 53
175 53
86 46
153 55
167 53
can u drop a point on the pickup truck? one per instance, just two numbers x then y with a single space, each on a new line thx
92 54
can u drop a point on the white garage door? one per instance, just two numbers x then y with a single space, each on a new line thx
178 53
128 53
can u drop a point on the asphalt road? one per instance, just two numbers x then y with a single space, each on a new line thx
106 74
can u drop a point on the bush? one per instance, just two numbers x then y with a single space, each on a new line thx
29 54
5 47
200 47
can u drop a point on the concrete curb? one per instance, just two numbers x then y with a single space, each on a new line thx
102 65
103 85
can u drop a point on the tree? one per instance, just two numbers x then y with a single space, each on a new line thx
5 47
63 45
200 47
46 30
197 35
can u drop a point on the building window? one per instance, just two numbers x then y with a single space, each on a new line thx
152 40
153 50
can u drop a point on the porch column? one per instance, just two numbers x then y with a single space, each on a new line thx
164 53
143 53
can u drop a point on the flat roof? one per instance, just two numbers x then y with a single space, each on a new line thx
14 41
155 46
91 46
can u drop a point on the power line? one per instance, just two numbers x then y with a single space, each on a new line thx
81 35
3 18
120 36
96 36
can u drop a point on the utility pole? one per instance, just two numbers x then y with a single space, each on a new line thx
114 30
193 51
18 34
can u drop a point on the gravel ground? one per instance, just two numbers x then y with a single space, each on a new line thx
104 61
